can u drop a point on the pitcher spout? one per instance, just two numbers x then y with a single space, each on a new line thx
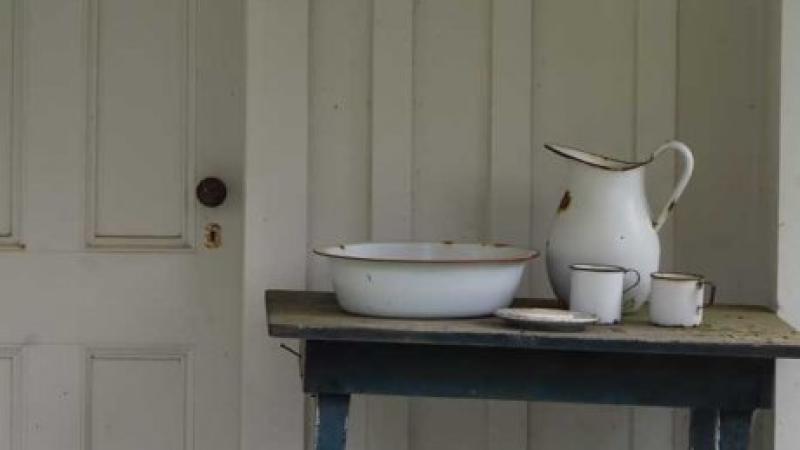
595 160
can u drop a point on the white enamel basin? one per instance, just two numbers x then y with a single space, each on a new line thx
425 280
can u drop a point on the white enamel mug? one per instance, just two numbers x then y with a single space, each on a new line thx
677 299
597 289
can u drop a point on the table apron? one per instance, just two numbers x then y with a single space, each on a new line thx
344 367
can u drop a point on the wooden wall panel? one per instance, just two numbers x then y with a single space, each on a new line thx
391 212
510 176
392 127
584 95
787 372
427 123
726 111
339 139
452 42
566 427
656 75
141 123
726 221
276 216
339 160
451 122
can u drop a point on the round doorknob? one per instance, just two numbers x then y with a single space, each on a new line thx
211 192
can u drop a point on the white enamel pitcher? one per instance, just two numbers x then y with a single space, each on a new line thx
604 218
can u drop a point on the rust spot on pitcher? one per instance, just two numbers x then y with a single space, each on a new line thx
565 201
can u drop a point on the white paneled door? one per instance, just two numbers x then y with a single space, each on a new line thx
120 311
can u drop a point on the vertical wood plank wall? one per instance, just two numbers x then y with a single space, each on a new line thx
787 389
426 120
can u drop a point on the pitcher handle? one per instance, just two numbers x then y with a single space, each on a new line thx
688 167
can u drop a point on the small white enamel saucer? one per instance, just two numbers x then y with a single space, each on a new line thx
546 319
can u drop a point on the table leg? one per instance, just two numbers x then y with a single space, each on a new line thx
331 421
734 429
703 429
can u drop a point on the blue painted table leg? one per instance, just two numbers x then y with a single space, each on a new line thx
331 421
734 429
703 429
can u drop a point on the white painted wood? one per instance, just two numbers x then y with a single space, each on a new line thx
584 94
680 429
510 158
448 424
123 384
769 25
7 25
507 425
52 397
787 382
53 117
720 114
763 430
558 426
654 124
339 138
59 298
141 123
656 77
442 109
452 88
509 209
652 429
10 116
387 423
726 102
392 118
7 403
451 122
391 133
10 398
276 214
339 162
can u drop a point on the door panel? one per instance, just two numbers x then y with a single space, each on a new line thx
121 386
129 328
10 92
141 122
6 110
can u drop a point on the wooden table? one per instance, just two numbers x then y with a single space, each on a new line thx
722 370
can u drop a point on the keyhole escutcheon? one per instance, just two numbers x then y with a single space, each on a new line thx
213 235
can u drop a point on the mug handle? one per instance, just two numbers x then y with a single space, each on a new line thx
636 283
712 293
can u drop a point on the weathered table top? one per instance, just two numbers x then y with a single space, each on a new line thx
744 331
